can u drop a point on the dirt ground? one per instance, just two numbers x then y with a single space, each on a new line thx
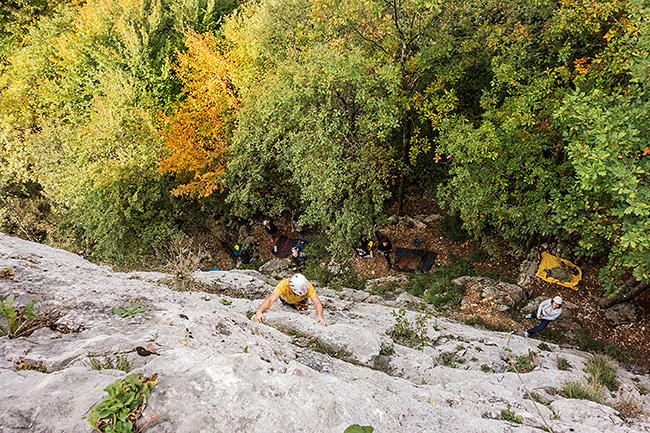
633 339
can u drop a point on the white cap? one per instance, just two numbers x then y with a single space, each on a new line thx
558 300
298 284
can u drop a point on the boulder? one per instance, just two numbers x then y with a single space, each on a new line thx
624 313
504 294
529 267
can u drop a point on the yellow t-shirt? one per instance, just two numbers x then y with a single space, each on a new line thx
285 292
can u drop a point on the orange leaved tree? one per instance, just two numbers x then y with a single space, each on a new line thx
198 132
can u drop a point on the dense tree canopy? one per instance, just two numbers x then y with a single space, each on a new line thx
529 120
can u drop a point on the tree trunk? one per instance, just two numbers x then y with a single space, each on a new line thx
615 299
406 139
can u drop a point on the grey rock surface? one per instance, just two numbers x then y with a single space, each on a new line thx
221 372
505 294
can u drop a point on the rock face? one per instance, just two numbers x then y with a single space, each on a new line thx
221 372
505 294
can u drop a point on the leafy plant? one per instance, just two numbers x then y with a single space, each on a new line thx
387 350
544 346
356 428
524 362
129 311
120 362
225 302
486 368
584 341
382 289
602 370
451 358
508 415
408 334
437 286
120 411
556 336
19 322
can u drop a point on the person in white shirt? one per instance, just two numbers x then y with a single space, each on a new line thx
547 311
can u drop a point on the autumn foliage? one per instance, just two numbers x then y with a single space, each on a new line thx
198 132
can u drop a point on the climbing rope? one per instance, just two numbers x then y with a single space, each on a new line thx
512 365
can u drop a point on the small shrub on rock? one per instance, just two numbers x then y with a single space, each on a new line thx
408 334
602 370
630 409
508 415
563 364
120 411
578 390
21 322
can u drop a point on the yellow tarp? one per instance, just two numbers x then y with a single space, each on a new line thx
550 262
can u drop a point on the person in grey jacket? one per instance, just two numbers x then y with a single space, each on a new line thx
547 311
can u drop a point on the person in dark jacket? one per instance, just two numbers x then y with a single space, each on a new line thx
270 228
384 248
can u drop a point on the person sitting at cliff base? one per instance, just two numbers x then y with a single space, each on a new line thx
384 248
547 311
295 291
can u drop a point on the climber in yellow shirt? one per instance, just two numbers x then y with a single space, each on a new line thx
295 291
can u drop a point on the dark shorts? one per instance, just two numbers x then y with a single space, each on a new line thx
300 305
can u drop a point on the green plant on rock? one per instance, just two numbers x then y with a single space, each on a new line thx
387 351
486 368
563 364
120 411
508 415
524 362
129 311
120 362
449 359
409 334
19 322
602 370
578 390
356 428
383 289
